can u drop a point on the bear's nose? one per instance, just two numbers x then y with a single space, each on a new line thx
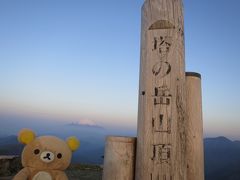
47 156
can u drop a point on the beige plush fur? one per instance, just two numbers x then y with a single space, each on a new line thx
45 158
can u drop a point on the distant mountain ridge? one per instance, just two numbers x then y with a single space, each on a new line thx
9 145
222 159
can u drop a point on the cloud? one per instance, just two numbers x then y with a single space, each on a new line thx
87 122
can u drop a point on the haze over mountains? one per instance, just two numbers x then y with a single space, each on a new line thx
11 124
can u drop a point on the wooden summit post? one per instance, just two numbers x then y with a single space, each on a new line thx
169 135
161 139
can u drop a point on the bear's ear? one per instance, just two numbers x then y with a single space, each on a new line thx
73 143
25 136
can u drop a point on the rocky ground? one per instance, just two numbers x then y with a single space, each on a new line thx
84 172
10 165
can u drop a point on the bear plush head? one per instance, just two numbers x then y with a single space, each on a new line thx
46 152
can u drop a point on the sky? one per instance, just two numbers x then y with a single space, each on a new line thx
73 60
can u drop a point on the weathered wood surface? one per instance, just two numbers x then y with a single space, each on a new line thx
119 158
195 155
161 140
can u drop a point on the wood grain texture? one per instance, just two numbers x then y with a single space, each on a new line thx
119 158
161 139
195 155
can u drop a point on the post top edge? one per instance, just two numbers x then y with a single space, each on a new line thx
123 139
195 74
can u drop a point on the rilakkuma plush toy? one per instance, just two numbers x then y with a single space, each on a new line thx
45 157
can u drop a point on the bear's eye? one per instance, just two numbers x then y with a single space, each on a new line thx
36 151
59 155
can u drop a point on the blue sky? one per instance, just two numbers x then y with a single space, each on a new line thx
80 60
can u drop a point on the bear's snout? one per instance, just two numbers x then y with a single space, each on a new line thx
47 156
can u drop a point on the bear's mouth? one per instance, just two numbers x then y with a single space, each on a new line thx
47 156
